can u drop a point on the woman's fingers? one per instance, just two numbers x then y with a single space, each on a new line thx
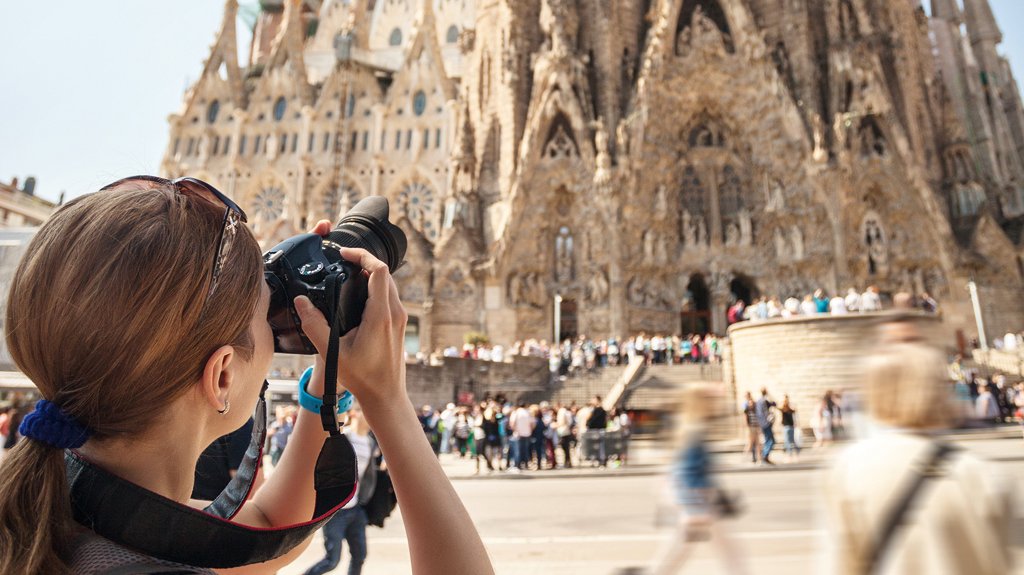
322 228
314 324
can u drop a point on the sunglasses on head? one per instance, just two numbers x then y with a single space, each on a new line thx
233 214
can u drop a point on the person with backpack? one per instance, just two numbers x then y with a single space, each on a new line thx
349 524
904 501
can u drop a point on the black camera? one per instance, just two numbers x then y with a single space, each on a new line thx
312 266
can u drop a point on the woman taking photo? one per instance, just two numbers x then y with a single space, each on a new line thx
145 353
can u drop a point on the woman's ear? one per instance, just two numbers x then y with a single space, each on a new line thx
215 384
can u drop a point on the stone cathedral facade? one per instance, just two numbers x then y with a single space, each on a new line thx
648 161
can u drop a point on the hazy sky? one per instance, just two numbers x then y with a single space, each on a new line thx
86 87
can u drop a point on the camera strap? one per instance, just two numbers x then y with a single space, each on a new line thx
329 406
133 517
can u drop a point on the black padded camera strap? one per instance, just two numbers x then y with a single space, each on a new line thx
133 517
329 406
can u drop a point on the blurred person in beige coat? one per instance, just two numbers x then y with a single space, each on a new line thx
958 520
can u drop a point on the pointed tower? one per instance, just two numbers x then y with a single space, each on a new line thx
946 11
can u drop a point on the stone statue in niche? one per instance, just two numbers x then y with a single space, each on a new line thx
876 243
661 202
775 200
558 22
732 234
688 231
746 228
660 251
515 290
564 255
819 154
603 173
622 142
597 288
702 232
781 250
649 240
635 292
797 237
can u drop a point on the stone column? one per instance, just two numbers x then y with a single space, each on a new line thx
719 304
714 210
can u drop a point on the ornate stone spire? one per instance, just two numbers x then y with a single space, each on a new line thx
981 22
946 10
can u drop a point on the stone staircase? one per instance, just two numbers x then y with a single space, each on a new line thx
659 388
582 387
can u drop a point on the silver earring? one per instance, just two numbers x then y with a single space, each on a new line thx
227 406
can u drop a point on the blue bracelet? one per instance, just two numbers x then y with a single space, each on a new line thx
313 403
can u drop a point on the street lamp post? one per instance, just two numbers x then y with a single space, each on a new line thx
982 340
558 319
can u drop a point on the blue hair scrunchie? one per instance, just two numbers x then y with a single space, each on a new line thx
49 424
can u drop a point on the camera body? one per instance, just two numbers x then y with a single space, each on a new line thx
312 266
298 266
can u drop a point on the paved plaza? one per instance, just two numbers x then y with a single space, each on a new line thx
594 523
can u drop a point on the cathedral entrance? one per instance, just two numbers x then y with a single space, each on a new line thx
695 316
569 326
744 288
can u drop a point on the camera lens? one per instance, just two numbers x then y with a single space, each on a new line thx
366 226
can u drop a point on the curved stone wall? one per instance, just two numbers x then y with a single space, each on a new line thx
806 356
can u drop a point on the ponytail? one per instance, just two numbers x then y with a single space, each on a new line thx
35 510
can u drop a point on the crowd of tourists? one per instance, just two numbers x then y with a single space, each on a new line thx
826 422
820 303
583 353
502 436
985 401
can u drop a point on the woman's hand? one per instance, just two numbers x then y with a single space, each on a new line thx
371 363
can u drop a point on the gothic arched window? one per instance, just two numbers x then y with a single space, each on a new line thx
280 106
268 205
452 36
421 208
396 37
692 193
730 192
212 111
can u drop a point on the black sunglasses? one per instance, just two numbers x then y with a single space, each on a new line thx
233 214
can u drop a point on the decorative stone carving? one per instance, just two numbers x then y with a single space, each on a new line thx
649 239
702 35
527 290
603 173
564 255
746 228
661 202
875 243
597 288
781 249
688 231
796 235
732 234
775 200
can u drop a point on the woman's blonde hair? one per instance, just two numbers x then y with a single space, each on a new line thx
907 386
107 315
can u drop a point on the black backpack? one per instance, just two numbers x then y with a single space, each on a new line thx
383 501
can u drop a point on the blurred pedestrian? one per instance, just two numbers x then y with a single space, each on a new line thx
821 421
986 406
349 524
700 501
789 429
764 409
902 501
753 428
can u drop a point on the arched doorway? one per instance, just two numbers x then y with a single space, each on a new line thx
695 316
744 288
569 322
